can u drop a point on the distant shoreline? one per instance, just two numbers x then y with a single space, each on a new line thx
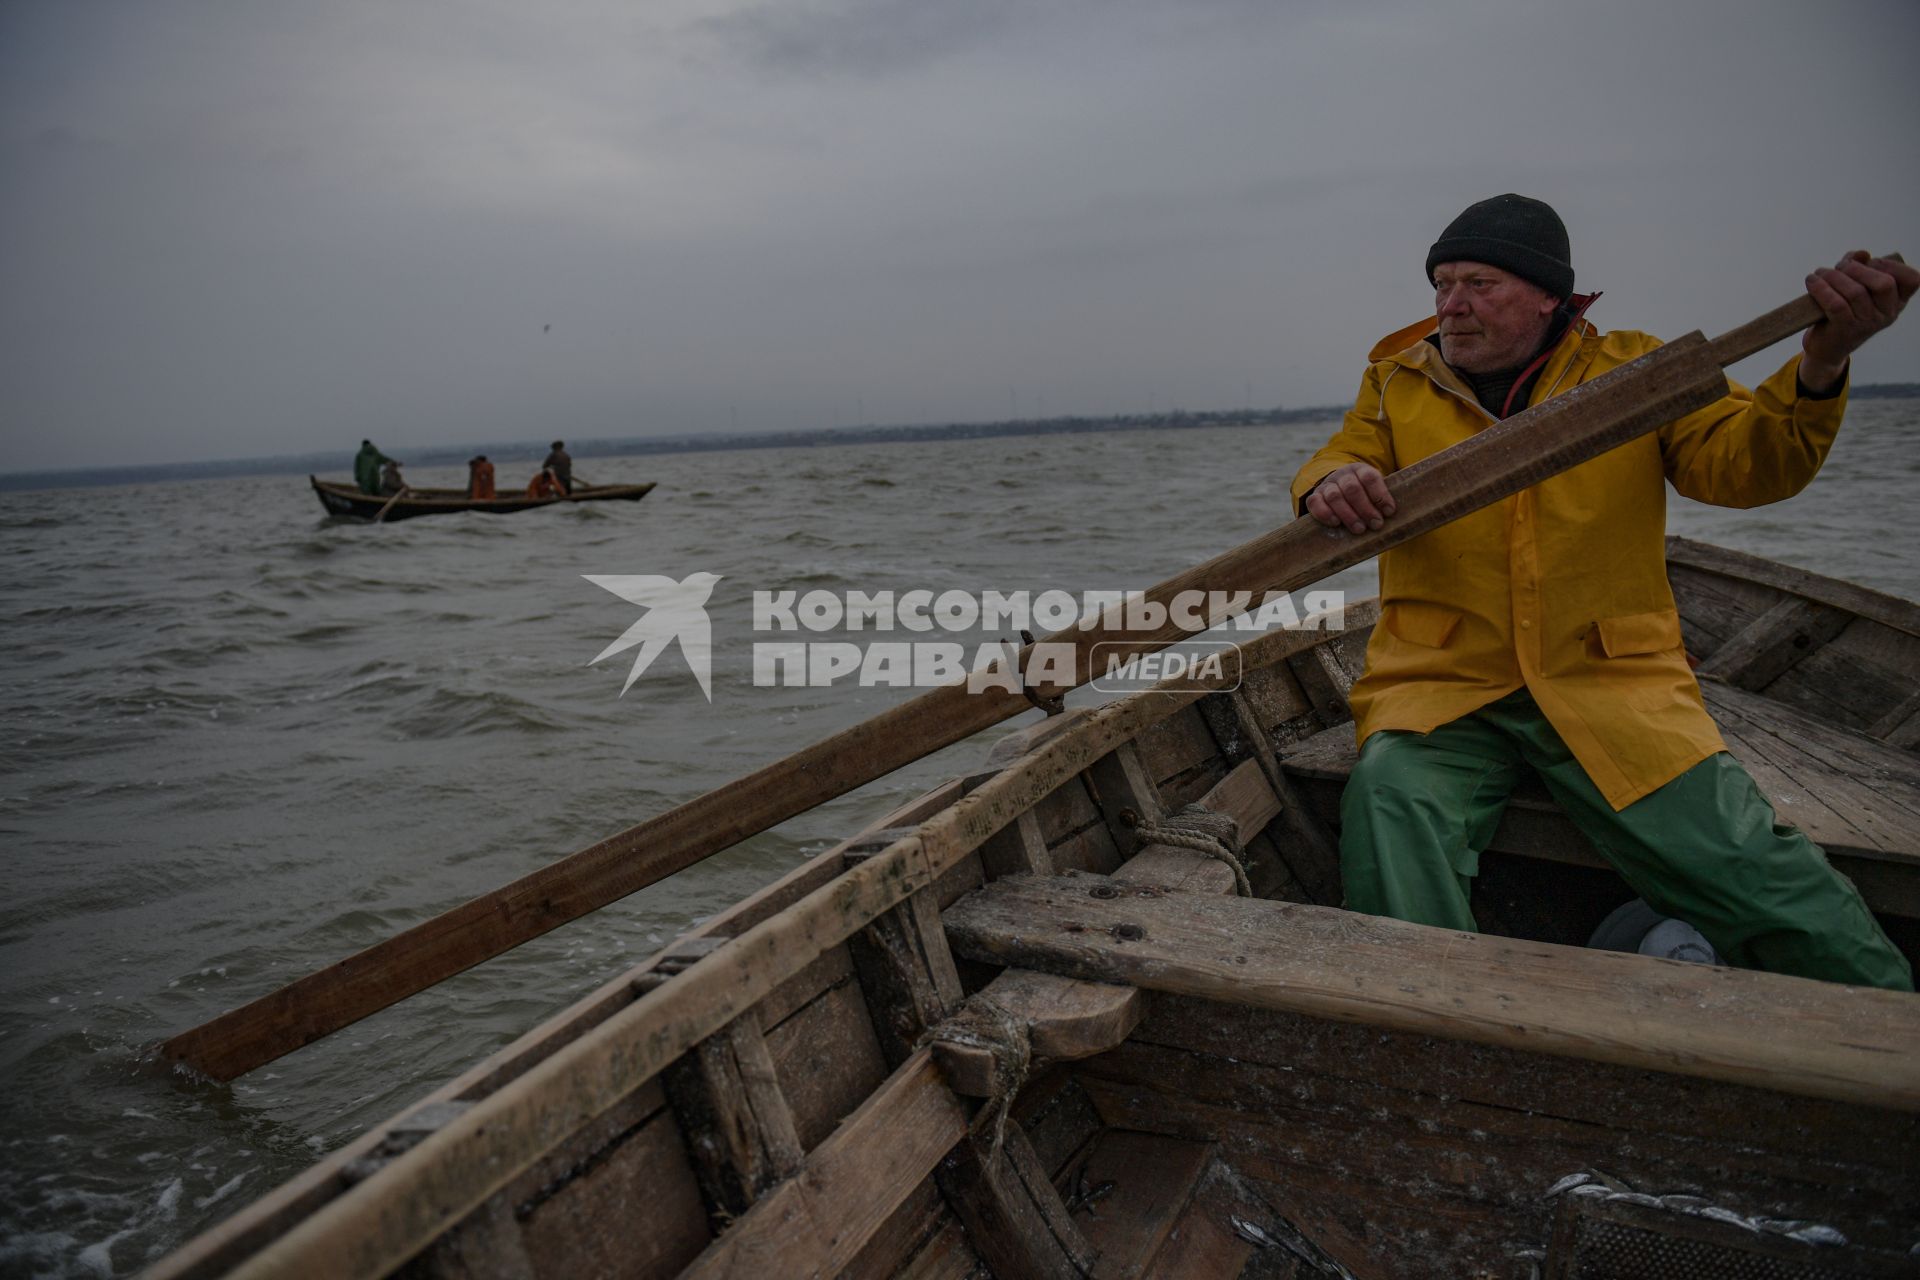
339 461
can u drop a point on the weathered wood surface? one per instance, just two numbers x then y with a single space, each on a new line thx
1067 1019
1774 643
1787 1034
1891 611
1153 1181
1416 1157
1525 449
1015 1219
738 1128
1900 726
1415 1182
814 1224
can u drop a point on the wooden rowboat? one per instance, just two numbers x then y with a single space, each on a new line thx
347 500
1196 1083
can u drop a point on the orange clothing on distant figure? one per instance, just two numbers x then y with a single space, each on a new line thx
480 479
543 486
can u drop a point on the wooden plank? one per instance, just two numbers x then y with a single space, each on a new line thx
946 1256
1773 643
1788 1034
1065 1020
1125 793
1900 727
1013 1216
1274 696
1432 1135
1153 1179
1018 848
1243 795
1892 611
487 1246
1246 796
906 973
586 1228
1177 753
1306 847
826 1058
738 1129
1269 1061
1058 1118
1844 789
898 1248
815 1223
1430 1186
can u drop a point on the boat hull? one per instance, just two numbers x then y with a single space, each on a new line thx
347 501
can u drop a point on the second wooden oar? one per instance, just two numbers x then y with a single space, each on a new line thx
1549 438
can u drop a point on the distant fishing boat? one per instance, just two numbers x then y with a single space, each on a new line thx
346 500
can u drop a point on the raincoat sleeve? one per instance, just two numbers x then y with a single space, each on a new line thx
1364 436
1752 447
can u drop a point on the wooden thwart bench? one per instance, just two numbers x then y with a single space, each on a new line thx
1794 1035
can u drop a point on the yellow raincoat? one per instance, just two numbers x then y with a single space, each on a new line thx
1563 587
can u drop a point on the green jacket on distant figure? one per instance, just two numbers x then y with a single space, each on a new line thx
366 468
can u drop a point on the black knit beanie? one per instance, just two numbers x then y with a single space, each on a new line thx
1514 233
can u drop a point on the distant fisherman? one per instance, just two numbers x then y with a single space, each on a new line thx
366 467
1540 635
479 477
390 479
561 465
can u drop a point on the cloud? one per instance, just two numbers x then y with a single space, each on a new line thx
260 229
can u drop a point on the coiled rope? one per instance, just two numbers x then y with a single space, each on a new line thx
1204 831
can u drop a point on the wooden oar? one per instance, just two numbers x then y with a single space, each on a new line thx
1549 438
389 505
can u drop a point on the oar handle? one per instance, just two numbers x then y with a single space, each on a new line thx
1762 332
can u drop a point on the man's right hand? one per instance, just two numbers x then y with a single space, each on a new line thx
1354 496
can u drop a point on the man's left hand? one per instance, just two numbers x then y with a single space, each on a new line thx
1860 295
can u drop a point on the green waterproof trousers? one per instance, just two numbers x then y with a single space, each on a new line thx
1704 848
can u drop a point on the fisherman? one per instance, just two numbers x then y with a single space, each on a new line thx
544 484
479 477
1541 631
561 465
366 468
390 480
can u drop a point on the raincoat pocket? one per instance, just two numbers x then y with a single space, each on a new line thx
1638 633
1419 622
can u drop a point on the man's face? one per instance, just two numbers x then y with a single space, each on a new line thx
1490 319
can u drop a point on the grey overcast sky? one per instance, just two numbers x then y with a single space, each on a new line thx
232 229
